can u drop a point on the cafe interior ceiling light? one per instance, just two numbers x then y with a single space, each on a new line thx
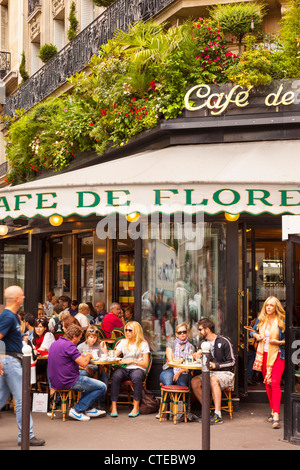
133 216
56 220
3 230
231 217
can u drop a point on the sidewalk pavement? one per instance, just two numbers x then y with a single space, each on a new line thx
249 430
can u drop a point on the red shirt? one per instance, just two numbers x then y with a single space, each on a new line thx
109 322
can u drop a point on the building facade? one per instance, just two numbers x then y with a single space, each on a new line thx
183 222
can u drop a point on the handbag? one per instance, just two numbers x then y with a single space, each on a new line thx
149 403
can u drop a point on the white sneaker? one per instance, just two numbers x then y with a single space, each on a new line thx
94 413
79 416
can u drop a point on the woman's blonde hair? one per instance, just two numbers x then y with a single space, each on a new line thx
137 333
180 325
279 310
82 306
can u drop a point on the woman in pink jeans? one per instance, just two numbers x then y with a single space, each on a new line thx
269 331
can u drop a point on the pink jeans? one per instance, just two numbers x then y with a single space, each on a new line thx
274 390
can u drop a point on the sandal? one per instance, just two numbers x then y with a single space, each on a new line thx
276 424
271 418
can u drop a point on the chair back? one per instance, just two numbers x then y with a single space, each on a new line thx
101 332
117 342
149 364
117 333
58 335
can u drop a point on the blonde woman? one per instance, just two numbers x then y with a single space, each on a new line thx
269 331
135 359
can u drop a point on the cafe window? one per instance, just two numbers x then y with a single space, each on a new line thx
12 263
182 282
61 255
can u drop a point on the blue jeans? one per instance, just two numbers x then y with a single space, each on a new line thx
167 376
11 383
91 390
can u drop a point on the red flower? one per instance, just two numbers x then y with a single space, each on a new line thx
152 84
103 112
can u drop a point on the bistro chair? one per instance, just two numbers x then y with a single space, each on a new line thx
126 388
11 402
172 394
226 396
102 335
58 334
129 385
117 333
68 399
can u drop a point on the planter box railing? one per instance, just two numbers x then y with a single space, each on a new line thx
75 56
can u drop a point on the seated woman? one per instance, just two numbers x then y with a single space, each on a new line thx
178 348
42 338
135 352
92 343
41 342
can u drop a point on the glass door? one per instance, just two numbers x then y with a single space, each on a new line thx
292 348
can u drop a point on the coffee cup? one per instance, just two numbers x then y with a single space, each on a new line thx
95 354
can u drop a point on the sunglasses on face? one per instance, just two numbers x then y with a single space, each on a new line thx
184 332
128 329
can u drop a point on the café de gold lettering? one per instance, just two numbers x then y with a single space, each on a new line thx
219 102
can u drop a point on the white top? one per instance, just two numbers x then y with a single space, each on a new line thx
48 340
83 320
133 352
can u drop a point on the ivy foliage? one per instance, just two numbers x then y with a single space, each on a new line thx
138 78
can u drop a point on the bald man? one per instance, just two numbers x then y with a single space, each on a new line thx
11 338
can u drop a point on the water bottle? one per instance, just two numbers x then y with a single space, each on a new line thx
190 356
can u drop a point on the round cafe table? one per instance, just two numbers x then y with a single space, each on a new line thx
105 362
188 366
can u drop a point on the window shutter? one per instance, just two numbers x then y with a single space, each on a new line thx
59 33
87 13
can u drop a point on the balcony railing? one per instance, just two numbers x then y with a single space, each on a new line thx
76 54
3 169
5 63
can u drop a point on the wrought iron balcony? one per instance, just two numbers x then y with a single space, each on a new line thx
3 169
5 63
76 54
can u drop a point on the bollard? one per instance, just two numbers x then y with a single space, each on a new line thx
205 396
25 431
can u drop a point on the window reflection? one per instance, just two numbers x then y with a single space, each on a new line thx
180 284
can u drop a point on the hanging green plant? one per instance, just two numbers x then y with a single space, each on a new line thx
47 51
